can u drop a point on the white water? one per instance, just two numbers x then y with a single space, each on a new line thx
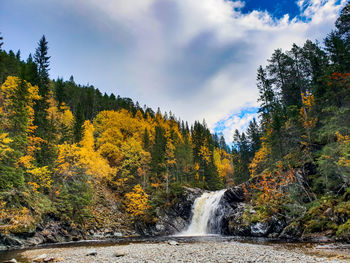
206 215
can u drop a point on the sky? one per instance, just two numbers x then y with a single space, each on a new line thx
195 58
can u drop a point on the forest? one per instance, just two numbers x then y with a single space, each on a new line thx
66 147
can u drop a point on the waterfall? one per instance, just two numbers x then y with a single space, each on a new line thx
207 213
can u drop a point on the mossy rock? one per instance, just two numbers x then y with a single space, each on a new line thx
343 232
292 231
343 208
314 225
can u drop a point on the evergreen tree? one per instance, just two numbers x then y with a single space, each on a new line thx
1 43
343 23
78 124
44 130
254 134
266 95
158 151
31 71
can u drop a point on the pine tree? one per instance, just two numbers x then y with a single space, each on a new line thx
158 151
254 134
60 91
46 154
31 71
1 43
343 23
78 124
266 95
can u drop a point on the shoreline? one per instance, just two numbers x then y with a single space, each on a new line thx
173 249
199 251
159 239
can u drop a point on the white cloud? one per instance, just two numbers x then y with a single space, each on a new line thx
197 58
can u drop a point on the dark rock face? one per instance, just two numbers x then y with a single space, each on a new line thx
173 219
234 224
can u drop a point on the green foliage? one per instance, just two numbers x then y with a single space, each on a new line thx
74 200
343 231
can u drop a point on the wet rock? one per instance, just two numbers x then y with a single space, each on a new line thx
173 219
233 223
234 195
259 229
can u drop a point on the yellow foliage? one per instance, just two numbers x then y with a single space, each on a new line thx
7 90
136 201
34 186
4 145
259 158
222 163
42 175
72 158
68 162
93 162
14 218
308 121
205 153
61 117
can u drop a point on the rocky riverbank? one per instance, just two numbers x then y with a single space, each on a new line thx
170 220
173 251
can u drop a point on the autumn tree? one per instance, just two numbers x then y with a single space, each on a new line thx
136 202
16 106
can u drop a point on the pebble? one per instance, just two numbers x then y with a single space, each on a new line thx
173 242
202 251
92 253
119 254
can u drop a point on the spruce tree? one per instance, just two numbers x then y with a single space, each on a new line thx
1 43
44 129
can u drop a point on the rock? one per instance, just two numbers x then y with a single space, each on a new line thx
173 219
293 231
40 258
173 243
260 229
234 195
11 261
233 223
50 259
92 253
118 234
11 241
119 254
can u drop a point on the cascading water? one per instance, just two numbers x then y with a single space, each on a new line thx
207 213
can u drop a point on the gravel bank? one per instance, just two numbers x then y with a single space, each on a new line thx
204 251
